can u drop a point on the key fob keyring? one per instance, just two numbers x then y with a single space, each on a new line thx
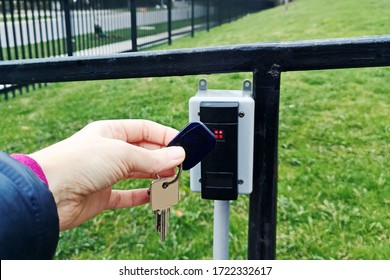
177 176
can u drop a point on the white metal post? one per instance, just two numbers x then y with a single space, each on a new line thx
221 229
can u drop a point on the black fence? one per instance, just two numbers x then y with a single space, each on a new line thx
265 61
52 28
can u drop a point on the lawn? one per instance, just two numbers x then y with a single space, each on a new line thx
334 190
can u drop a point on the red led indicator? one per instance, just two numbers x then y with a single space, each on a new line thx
218 134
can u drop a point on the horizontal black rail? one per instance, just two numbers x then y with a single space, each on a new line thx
288 56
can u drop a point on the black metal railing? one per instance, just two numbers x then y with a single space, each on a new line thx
51 28
266 61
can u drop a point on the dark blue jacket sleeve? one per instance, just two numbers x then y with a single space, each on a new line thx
29 226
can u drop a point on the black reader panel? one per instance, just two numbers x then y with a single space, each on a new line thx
219 168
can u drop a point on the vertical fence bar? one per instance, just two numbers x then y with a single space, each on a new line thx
63 29
29 46
106 18
41 32
86 25
107 10
84 29
92 22
12 11
104 25
48 37
115 24
92 37
2 86
96 24
7 44
1 50
219 3
8 48
2 57
53 36
58 15
79 35
102 22
169 7
27 29
262 209
75 26
21 32
68 28
133 11
35 40
41 39
208 15
106 21
192 18
16 42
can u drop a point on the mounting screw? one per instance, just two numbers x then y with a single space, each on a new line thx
241 114
240 182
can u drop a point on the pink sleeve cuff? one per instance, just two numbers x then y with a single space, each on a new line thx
32 164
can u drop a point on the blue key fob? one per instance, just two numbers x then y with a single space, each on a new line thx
197 141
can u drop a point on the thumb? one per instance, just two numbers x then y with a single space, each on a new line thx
155 161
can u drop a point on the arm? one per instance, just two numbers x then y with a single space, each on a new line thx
81 171
29 226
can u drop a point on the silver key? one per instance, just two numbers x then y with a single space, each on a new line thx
164 193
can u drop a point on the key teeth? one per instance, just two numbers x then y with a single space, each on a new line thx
158 221
164 224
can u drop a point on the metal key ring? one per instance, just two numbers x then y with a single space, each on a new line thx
166 184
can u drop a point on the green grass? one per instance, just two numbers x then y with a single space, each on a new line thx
334 191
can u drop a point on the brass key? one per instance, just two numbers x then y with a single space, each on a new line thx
164 193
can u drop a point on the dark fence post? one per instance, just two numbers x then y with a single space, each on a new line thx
1 51
68 28
192 18
208 15
262 210
133 11
169 7
7 43
219 12
12 11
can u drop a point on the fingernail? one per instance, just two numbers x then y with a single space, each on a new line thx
176 152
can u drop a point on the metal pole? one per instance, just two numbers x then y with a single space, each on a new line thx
208 15
192 18
262 210
68 28
169 7
133 11
220 13
7 42
221 229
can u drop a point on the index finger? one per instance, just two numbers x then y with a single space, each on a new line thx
133 131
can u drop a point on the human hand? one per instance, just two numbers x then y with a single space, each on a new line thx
82 169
